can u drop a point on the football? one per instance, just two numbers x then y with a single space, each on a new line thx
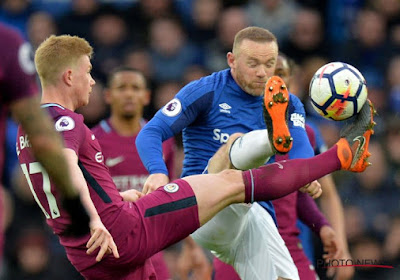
338 91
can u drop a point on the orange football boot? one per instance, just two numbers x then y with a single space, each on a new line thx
276 104
353 146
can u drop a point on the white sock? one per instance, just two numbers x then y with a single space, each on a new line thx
251 150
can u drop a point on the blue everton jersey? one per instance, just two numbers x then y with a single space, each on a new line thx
208 111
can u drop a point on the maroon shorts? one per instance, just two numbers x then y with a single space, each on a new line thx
142 229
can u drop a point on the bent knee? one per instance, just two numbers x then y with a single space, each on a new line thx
233 137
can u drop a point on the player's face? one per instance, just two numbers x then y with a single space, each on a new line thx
282 70
252 64
83 81
128 94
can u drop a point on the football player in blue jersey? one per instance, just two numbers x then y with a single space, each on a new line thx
211 110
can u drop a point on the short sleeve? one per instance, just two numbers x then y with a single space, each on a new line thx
72 130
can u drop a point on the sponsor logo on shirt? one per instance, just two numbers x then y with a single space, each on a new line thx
110 162
222 137
172 108
298 120
65 123
225 108
171 188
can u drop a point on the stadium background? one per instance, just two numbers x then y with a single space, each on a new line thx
176 41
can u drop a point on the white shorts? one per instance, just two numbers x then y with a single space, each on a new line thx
246 237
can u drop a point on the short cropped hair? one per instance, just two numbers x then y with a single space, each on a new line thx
119 69
58 52
253 33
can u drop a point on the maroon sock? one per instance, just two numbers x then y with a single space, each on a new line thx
281 178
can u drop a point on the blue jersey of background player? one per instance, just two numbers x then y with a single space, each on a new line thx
208 111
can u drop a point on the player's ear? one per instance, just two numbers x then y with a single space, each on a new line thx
230 58
67 77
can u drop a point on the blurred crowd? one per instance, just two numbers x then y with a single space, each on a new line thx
176 41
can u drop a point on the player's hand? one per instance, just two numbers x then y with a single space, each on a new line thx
330 242
313 189
79 217
342 273
131 195
192 261
154 181
101 238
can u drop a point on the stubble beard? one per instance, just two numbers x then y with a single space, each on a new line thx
254 91
248 88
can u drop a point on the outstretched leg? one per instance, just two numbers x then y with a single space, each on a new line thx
216 191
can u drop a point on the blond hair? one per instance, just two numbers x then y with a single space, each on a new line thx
253 33
58 52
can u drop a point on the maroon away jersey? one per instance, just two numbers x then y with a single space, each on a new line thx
122 158
78 137
135 227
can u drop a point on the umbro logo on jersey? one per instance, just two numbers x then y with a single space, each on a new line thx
225 108
110 162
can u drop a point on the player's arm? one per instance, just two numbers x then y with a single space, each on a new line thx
169 151
131 195
192 261
156 180
100 235
149 145
310 215
332 207
177 114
